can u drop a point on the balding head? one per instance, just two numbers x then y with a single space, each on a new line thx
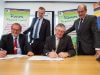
82 10
82 6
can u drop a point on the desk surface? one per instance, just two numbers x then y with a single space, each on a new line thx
78 65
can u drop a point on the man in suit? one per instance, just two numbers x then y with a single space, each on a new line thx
98 41
59 45
39 30
86 30
15 42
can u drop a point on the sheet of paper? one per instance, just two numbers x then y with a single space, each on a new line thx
12 56
44 58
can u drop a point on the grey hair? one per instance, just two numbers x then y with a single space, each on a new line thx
60 25
82 5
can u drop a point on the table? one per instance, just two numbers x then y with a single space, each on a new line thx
78 65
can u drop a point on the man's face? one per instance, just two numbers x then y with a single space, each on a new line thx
41 13
59 32
81 12
15 30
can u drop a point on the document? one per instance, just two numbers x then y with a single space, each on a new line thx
45 58
12 56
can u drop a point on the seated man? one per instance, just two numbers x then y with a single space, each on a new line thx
15 42
59 45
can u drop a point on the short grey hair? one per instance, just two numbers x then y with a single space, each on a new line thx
82 5
61 25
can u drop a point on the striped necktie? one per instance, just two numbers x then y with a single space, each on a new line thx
36 30
15 46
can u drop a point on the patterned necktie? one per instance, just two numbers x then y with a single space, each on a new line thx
15 46
36 30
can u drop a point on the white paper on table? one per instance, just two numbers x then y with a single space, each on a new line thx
13 56
44 58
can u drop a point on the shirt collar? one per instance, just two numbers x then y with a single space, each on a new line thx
15 37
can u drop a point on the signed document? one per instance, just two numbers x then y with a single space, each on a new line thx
12 56
45 58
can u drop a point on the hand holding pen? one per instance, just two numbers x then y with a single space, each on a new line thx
53 54
2 53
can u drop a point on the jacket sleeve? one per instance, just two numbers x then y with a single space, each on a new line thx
30 28
27 45
70 29
70 47
46 47
3 42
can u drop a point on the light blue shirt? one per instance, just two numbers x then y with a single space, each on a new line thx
40 23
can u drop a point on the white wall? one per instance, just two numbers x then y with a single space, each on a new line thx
59 0
33 6
1 16
50 6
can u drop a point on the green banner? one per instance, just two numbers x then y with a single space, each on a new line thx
68 17
15 16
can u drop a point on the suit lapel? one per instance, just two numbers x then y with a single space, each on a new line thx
61 41
20 40
42 24
34 21
77 25
85 19
10 40
84 23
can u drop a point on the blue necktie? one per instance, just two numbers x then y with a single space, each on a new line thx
36 30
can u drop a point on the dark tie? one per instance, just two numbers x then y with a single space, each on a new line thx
15 46
36 30
80 23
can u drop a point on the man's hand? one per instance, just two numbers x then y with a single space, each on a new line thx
30 53
63 54
98 55
98 52
52 54
3 53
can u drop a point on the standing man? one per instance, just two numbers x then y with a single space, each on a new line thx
39 30
86 30
59 45
15 42
98 50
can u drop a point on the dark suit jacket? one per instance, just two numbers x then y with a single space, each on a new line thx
65 45
7 43
44 30
86 33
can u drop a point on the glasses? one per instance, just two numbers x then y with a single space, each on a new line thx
58 30
15 29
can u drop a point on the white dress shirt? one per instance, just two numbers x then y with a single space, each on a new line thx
57 42
18 48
